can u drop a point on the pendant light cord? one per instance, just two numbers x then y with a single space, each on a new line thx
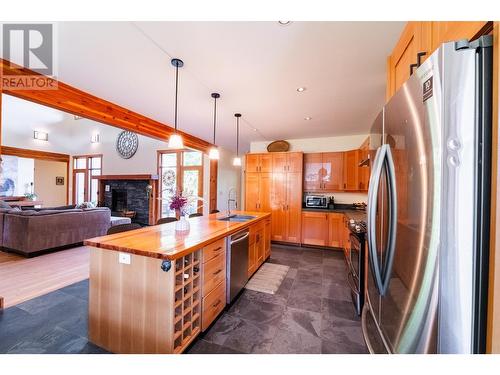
176 89
215 115
237 136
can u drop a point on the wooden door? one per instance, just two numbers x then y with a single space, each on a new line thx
266 162
267 239
335 230
295 162
314 228
293 206
278 206
313 164
280 162
252 191
414 39
351 170
252 163
265 184
333 167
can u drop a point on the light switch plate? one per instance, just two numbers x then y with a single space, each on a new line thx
107 188
124 258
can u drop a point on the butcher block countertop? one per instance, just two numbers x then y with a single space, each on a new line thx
162 242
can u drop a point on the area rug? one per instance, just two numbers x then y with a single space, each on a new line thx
268 278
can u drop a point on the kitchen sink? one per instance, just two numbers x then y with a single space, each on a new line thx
240 218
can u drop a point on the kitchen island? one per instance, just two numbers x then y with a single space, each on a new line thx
153 290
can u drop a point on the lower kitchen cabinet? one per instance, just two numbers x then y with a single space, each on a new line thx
335 226
267 239
327 229
314 228
259 247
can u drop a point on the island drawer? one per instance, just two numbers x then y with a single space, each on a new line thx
212 305
214 272
212 250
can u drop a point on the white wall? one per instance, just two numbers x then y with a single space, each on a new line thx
25 176
324 144
46 189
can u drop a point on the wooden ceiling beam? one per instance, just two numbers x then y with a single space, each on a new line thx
77 102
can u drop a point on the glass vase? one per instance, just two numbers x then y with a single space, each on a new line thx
182 225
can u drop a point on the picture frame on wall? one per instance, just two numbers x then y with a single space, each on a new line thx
59 180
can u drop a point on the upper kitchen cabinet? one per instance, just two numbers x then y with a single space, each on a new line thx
408 53
258 191
323 171
419 40
259 163
287 162
351 175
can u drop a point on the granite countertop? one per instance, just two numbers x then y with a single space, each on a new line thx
342 209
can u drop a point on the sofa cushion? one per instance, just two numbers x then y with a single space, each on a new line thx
4 204
67 207
42 212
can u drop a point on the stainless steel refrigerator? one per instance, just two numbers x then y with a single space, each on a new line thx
429 207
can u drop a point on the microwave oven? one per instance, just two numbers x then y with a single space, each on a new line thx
316 201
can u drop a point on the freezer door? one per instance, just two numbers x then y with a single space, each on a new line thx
412 126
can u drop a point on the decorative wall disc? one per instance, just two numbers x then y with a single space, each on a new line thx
127 144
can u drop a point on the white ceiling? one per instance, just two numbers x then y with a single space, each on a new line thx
255 66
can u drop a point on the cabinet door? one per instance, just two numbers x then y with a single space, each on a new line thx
351 170
267 239
363 172
265 184
252 258
252 163
413 40
260 247
266 162
314 228
313 164
278 205
293 207
295 162
280 162
346 242
335 229
252 191
333 167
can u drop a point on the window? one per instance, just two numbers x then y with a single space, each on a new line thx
180 171
85 186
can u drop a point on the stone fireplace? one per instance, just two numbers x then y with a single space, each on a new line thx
130 195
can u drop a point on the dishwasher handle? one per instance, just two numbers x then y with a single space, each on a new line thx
239 239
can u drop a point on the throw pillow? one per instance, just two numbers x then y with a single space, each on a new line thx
4 204
86 205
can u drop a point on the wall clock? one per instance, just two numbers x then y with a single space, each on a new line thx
127 144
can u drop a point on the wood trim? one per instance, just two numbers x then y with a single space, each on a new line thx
493 330
35 154
127 177
77 102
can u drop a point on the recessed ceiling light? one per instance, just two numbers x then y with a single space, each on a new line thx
284 23
307 118
301 89
254 129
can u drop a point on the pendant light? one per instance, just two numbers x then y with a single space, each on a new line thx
237 159
214 151
175 140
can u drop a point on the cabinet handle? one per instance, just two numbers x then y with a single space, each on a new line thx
419 58
412 66
218 249
216 304
345 185
287 207
217 272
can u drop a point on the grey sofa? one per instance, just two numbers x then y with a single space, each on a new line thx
31 232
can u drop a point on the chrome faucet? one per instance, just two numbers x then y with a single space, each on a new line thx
229 200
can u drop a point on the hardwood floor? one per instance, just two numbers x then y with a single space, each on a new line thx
25 278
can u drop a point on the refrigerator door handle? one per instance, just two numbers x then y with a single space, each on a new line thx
393 220
372 212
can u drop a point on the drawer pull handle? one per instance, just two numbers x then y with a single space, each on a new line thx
219 248
217 272
216 304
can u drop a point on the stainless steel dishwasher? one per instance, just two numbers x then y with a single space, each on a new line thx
236 264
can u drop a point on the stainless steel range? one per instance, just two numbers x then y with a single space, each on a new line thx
356 260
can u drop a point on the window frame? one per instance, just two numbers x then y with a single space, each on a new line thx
180 169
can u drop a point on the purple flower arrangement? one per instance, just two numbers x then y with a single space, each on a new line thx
178 202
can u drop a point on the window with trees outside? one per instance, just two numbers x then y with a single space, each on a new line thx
180 170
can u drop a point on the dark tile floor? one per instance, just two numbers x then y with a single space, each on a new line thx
311 313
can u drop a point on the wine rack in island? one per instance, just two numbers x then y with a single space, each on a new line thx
187 300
